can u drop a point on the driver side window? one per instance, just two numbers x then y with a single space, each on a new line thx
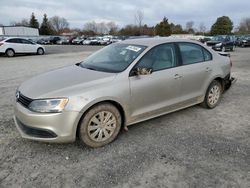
159 58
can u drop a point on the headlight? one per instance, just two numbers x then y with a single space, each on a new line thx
48 105
219 44
244 41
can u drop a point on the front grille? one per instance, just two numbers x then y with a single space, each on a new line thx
36 132
25 101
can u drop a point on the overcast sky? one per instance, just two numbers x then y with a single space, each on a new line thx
78 12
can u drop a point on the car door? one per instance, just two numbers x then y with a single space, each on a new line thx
15 44
157 92
28 46
196 70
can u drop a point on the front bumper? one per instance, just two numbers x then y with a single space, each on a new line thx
48 127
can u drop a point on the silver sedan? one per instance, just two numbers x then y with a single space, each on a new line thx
122 84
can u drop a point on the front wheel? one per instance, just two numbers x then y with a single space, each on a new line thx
213 95
100 125
40 51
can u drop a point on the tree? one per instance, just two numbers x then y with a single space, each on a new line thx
222 26
244 27
46 28
202 28
189 27
163 28
59 24
33 21
112 27
139 16
23 22
176 29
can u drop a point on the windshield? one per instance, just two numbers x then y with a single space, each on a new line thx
113 58
219 38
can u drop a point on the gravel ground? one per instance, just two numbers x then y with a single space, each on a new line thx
194 147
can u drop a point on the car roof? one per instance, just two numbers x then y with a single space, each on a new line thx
150 42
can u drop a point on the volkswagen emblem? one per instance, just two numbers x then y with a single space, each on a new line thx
17 95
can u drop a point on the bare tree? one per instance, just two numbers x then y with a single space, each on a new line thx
90 26
202 28
23 22
59 23
112 27
139 16
189 27
244 27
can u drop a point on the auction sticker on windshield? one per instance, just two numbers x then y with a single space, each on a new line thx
133 48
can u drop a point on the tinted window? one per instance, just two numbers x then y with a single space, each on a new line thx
191 53
14 41
25 41
159 58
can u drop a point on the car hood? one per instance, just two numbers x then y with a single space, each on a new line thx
63 82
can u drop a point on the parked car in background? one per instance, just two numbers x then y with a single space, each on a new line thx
63 40
54 40
86 41
222 43
13 45
43 41
243 41
120 85
78 40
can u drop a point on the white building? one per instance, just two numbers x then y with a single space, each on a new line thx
18 31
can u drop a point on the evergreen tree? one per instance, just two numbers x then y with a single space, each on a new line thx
222 26
33 21
46 28
163 28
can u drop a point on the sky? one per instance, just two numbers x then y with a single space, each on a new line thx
78 12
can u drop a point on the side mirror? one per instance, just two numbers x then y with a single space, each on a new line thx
143 71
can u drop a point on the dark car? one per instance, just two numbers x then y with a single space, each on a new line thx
54 40
222 43
244 41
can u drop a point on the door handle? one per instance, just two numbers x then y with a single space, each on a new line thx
177 76
208 69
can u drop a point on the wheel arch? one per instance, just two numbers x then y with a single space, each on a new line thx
10 49
110 101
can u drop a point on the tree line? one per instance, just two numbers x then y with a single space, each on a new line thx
57 25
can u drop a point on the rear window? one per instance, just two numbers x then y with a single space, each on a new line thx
1 39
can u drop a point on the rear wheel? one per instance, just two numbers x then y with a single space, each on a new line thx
100 125
10 53
213 95
40 51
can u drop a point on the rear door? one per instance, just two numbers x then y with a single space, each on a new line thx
197 69
15 44
154 93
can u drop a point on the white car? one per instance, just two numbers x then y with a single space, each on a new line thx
14 45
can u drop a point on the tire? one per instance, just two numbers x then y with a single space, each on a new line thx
213 95
233 48
100 125
10 53
40 51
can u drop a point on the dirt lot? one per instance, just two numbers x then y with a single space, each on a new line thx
194 147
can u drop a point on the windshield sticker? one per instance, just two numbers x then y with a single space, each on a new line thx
133 48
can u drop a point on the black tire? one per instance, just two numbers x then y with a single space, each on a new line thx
10 53
40 51
211 102
92 127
